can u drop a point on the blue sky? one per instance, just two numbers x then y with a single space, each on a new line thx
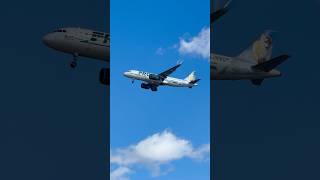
272 131
53 119
179 115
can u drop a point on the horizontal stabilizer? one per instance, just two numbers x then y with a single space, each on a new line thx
271 64
195 81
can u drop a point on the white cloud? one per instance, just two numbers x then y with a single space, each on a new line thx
156 151
160 51
201 153
198 45
121 173
163 147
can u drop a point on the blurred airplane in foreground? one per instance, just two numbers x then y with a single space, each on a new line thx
82 43
254 64
152 81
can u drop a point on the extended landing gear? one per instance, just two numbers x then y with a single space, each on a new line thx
74 62
154 88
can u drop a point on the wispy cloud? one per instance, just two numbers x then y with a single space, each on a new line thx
160 51
153 153
121 173
198 45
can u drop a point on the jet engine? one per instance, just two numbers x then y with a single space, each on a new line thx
145 86
104 76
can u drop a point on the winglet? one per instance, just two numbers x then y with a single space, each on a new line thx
227 5
179 62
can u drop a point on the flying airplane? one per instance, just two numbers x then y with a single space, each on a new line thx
255 63
82 43
152 81
219 13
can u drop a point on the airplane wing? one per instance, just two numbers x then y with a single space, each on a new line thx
166 73
219 13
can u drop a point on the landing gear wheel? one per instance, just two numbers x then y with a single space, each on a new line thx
73 64
154 89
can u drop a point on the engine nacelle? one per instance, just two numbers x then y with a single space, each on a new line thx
104 76
145 86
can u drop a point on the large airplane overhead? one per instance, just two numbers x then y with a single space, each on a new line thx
255 63
82 43
152 80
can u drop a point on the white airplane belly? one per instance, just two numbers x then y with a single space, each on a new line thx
175 84
96 51
240 76
85 49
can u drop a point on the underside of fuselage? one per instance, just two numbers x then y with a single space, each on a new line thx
84 49
244 76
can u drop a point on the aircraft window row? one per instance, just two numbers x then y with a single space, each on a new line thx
97 35
101 34
61 30
220 58
105 41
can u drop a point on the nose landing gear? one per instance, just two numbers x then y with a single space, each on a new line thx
74 62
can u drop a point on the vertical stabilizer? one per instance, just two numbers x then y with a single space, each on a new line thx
260 51
191 77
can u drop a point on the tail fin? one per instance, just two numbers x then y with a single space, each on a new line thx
192 78
260 51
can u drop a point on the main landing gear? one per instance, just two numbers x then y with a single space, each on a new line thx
154 88
105 76
74 62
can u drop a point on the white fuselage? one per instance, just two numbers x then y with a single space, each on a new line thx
227 68
80 42
169 81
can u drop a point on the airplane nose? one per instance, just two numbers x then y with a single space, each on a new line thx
126 74
275 73
46 39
